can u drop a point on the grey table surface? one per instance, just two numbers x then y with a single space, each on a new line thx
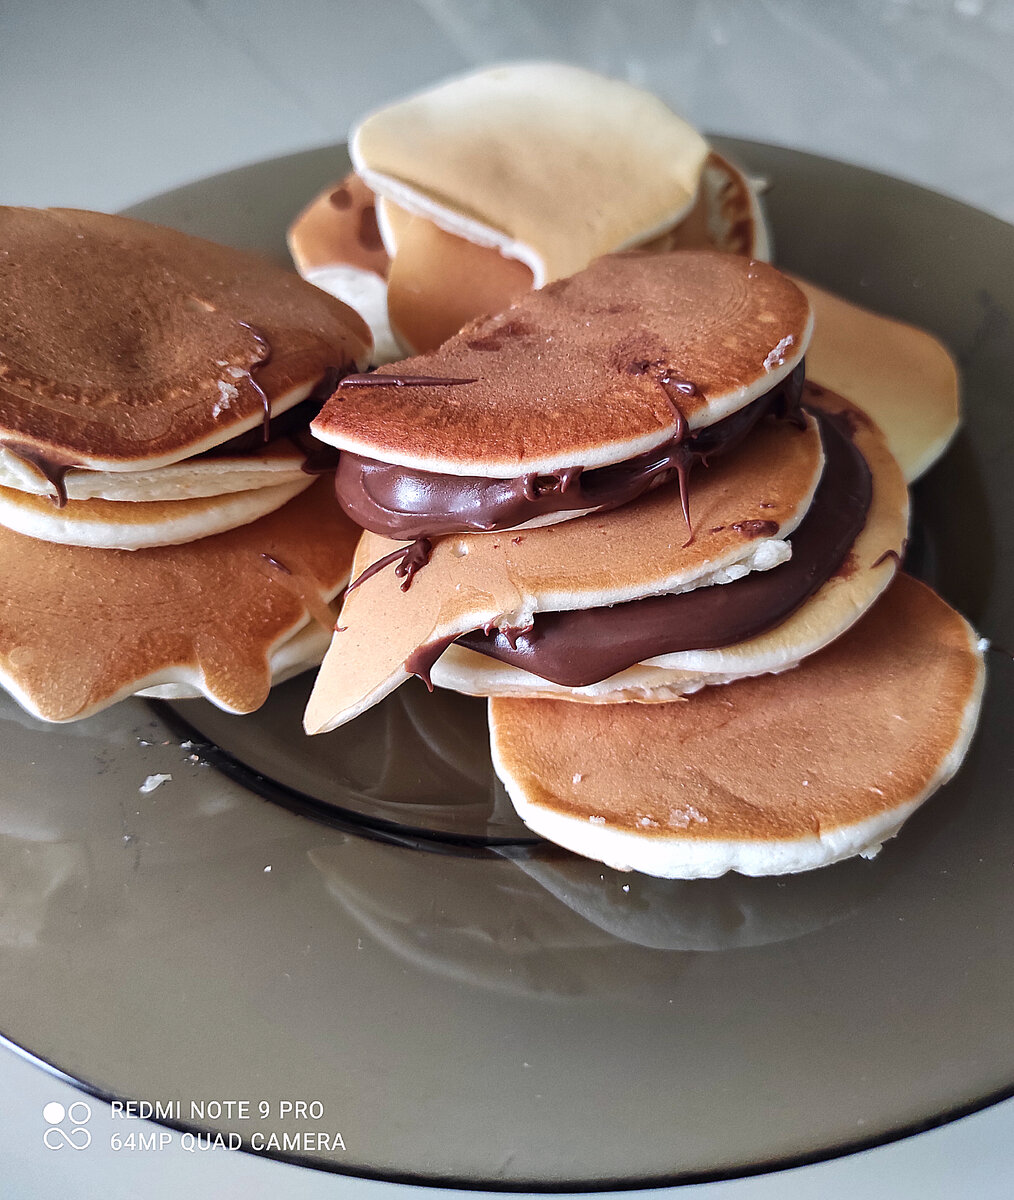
112 101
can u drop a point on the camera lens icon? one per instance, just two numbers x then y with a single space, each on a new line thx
76 1115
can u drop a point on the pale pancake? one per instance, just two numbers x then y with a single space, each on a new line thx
557 381
81 629
115 525
280 461
839 603
902 376
438 282
765 776
336 245
549 163
126 346
743 507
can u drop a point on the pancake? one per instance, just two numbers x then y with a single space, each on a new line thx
336 245
83 628
902 376
438 282
301 652
550 164
744 506
726 215
429 283
125 346
111 524
339 227
826 611
279 461
589 371
766 776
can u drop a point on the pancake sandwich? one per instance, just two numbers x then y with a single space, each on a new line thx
745 507
777 547
842 554
683 680
155 392
468 223
577 399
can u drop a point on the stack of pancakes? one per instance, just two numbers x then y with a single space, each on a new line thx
618 492
162 529
466 196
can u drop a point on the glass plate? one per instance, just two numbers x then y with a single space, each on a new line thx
360 922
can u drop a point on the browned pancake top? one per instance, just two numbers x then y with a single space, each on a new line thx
120 340
857 730
556 374
339 228
79 626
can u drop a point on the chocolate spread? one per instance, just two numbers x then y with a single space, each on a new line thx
583 647
53 468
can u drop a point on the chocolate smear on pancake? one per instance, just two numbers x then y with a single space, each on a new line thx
410 559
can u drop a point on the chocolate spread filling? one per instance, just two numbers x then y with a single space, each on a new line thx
404 504
582 647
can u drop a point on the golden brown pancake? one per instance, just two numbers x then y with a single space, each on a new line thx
438 282
567 375
902 376
743 505
82 628
336 246
124 345
339 228
766 776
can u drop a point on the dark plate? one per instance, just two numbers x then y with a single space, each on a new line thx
469 1008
